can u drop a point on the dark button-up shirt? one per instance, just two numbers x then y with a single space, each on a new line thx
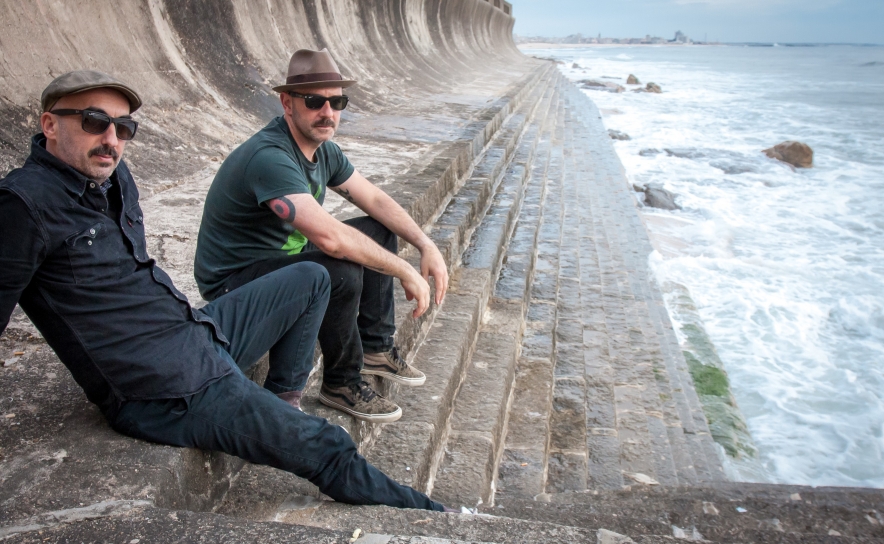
83 277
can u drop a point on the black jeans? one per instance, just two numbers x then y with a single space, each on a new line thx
360 315
278 312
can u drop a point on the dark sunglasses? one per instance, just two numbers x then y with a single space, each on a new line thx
96 122
316 101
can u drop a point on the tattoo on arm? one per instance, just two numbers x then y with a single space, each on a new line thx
346 194
284 208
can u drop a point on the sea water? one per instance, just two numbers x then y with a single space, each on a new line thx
786 266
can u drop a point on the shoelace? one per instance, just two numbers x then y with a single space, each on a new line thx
363 390
394 354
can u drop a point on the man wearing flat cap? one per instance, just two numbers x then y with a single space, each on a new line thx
264 212
75 259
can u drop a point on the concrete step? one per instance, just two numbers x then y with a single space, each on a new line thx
623 288
411 449
472 452
522 467
726 512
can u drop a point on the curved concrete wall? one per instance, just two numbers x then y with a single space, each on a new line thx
206 67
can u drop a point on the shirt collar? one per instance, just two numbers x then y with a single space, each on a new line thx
74 181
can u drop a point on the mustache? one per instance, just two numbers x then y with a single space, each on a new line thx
324 123
104 150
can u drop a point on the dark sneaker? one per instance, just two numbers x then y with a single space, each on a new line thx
389 365
293 398
360 401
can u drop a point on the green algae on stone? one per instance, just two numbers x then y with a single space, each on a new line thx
708 380
711 382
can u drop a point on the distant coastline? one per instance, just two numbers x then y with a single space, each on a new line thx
552 44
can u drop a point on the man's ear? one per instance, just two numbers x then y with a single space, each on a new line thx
286 101
49 125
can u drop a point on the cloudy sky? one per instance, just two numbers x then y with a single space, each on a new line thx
832 21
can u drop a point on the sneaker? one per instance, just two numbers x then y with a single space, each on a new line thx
391 366
293 398
360 401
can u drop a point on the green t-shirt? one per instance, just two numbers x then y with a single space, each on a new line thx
238 229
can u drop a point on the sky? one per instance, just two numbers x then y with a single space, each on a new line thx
784 21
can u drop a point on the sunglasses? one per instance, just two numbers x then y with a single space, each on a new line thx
96 122
316 101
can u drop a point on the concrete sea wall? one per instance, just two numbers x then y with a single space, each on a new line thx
205 68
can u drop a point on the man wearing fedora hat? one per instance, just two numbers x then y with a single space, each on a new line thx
264 212
157 368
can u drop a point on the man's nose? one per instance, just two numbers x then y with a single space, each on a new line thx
326 109
109 136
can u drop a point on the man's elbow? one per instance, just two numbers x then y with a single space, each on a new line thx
329 244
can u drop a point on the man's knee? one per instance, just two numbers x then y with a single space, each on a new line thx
345 277
307 275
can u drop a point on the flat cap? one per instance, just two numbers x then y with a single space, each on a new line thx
85 80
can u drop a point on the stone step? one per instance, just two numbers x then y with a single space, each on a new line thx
643 442
522 467
626 243
411 449
725 512
472 452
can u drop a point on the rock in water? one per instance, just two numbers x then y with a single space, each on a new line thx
791 152
617 135
632 80
658 197
653 88
602 86
575 66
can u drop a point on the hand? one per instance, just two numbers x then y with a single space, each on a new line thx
416 288
432 264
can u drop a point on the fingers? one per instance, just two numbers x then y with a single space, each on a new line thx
441 285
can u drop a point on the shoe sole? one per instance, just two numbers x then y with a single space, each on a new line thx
371 418
412 382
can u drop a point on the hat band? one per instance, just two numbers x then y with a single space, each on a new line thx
310 78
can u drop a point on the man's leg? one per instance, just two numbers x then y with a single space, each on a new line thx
338 335
377 314
280 313
342 387
236 416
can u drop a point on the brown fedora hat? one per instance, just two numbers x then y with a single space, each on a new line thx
312 69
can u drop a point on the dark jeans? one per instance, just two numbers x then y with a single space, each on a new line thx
360 315
281 313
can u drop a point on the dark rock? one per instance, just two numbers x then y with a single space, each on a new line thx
649 152
791 152
575 66
639 188
617 135
632 80
602 86
653 88
658 197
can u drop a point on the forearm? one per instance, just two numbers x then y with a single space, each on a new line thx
389 213
352 245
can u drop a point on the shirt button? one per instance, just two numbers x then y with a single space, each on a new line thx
91 231
92 185
89 242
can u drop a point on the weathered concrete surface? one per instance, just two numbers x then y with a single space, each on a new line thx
728 512
437 79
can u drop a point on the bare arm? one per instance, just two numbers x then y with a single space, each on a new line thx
379 205
344 242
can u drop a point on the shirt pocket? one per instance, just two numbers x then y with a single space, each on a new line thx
134 228
89 253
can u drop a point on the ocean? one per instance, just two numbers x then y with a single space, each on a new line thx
785 266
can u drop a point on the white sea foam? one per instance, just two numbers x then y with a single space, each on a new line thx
786 266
